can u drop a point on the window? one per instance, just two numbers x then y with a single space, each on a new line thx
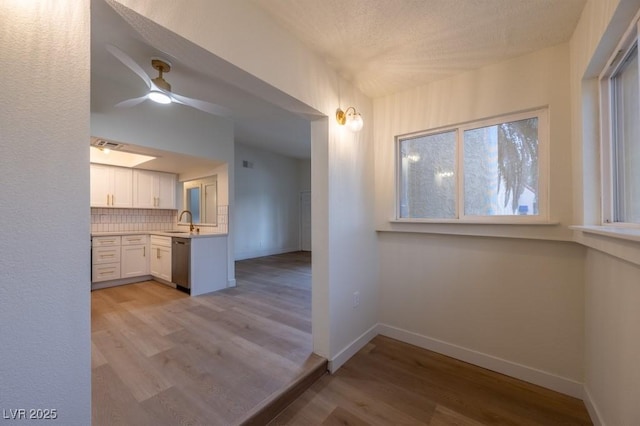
620 98
488 171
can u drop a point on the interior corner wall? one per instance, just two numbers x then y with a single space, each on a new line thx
612 371
304 175
45 274
267 212
514 303
510 305
612 294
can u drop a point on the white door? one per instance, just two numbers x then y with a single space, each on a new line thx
305 221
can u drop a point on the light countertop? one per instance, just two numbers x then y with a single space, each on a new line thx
179 234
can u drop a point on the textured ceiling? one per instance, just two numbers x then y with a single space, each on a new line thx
382 46
385 46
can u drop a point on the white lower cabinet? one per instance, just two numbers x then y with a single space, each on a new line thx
116 257
105 258
134 256
105 272
160 262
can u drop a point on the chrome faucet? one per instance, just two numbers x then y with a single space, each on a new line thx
190 219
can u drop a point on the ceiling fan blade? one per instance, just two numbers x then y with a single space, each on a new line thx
130 63
201 105
131 102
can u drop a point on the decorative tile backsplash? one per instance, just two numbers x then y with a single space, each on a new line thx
116 220
112 220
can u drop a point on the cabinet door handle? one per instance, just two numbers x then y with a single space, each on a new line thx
113 199
157 253
107 199
144 251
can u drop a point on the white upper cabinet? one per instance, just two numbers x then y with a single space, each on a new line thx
111 186
166 191
154 190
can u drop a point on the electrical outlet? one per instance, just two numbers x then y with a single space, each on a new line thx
356 299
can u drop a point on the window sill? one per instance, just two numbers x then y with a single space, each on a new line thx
535 230
623 243
631 234
478 222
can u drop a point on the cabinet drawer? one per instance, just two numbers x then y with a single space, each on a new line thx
161 241
101 255
105 241
105 272
128 240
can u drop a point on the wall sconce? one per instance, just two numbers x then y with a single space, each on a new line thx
350 117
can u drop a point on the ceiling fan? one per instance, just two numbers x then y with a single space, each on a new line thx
159 88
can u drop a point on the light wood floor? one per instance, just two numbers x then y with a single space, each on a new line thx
160 357
393 383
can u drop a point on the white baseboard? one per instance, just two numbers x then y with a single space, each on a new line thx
350 350
596 418
519 371
231 283
264 252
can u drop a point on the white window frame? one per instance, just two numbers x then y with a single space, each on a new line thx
630 39
543 171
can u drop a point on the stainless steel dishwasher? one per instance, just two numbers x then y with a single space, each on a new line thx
181 263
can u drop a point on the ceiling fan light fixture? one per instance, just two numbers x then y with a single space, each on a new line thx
159 97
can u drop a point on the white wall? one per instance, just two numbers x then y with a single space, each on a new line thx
513 305
612 371
612 322
266 219
44 158
280 69
304 175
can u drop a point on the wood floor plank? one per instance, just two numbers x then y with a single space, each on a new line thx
388 377
375 411
210 359
131 366
415 405
138 333
341 417
446 417
113 404
97 359
307 409
175 407
159 321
